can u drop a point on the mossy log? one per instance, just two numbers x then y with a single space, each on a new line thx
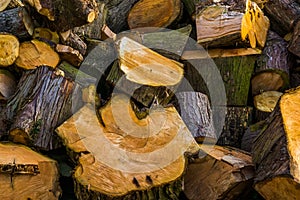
143 145
26 174
16 21
219 173
275 151
272 69
43 100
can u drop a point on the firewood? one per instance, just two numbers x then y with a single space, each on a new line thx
73 40
36 53
283 14
69 54
196 113
146 67
50 104
275 151
272 70
26 174
15 3
219 26
4 4
237 120
16 21
294 44
4 123
9 48
218 173
7 84
99 175
266 101
46 34
250 134
147 13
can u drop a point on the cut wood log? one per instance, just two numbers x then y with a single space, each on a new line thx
283 14
275 151
237 120
73 40
69 54
219 26
267 101
14 4
51 103
272 70
25 174
36 53
144 66
7 84
294 44
4 123
4 4
9 49
219 173
16 21
47 34
250 134
144 171
154 14
195 111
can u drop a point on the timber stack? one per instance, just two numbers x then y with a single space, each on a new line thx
149 99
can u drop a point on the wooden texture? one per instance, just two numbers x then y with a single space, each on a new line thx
50 104
7 84
218 173
4 4
69 54
237 120
101 175
9 49
294 44
196 113
250 134
154 14
272 70
73 40
16 21
35 53
266 101
275 151
25 174
47 34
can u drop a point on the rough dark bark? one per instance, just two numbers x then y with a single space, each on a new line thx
272 70
195 111
294 44
237 121
250 134
16 21
44 100
74 41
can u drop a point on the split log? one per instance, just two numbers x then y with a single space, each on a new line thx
294 44
267 101
9 48
272 70
44 99
73 40
100 174
69 54
36 53
250 134
195 111
25 174
154 14
237 120
7 84
275 151
283 14
218 173
16 21
218 26
4 4
47 34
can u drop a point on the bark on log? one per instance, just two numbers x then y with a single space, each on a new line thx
25 174
237 121
275 151
35 53
4 123
218 173
283 14
154 14
43 100
73 40
16 21
69 54
9 49
99 176
294 44
272 70
195 111
250 134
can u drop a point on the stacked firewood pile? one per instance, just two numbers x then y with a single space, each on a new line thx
149 99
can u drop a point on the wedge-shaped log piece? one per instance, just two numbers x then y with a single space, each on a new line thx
36 53
218 173
275 151
69 54
25 174
146 67
9 49
158 13
150 150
